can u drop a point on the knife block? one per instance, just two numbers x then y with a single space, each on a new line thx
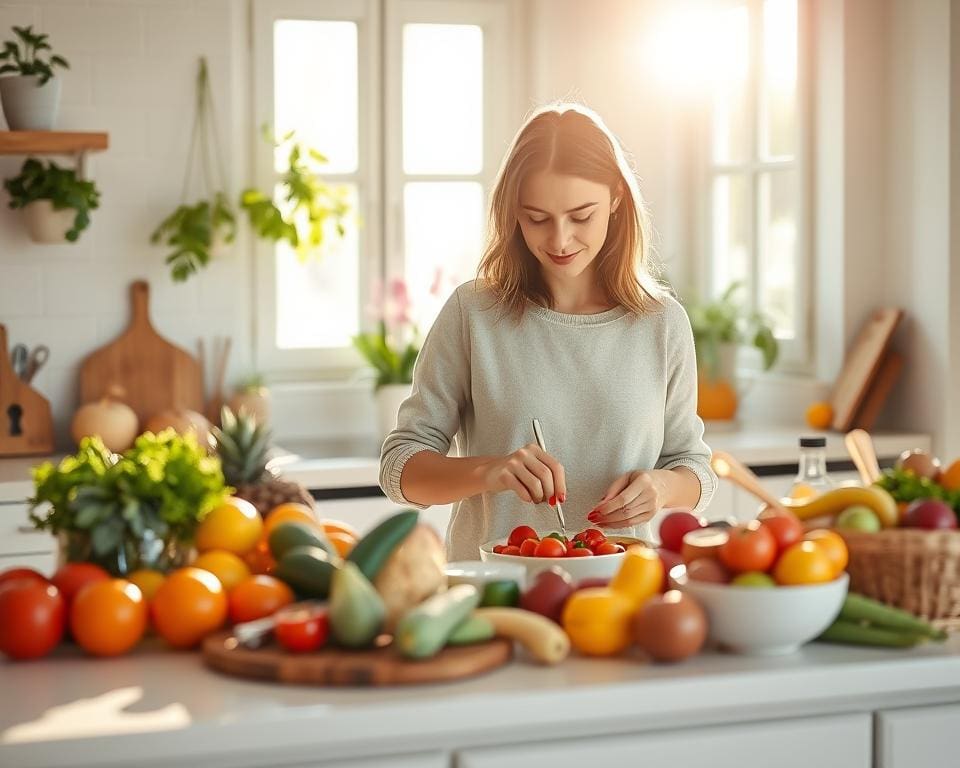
26 425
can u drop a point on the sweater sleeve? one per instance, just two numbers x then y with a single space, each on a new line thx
429 418
683 444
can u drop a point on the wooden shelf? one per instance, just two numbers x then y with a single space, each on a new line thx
50 142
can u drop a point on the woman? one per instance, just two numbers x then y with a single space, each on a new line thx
564 323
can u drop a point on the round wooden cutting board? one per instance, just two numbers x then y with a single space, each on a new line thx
338 666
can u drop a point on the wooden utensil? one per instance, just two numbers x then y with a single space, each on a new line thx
730 469
861 450
221 354
26 425
155 374
339 667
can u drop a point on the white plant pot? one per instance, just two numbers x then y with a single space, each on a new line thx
28 106
47 225
389 397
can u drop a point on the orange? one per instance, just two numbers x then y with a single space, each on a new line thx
226 566
338 526
258 596
234 526
950 477
597 619
260 559
833 544
716 400
291 511
189 605
639 577
820 415
148 580
108 618
803 563
342 542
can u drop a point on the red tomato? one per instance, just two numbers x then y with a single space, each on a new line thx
675 525
302 630
605 548
750 547
32 617
580 552
528 547
785 527
593 536
72 577
22 573
550 548
498 549
511 550
520 534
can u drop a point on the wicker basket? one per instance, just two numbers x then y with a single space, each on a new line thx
912 569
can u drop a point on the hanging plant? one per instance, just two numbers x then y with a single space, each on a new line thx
195 232
61 187
308 205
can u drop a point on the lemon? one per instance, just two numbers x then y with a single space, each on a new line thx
234 526
148 580
226 566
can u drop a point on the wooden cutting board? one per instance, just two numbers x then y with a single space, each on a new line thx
26 426
154 374
340 667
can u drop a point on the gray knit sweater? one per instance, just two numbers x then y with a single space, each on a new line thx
614 392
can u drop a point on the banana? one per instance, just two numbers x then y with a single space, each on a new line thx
833 502
543 639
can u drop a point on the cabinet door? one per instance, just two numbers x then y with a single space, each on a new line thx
825 742
17 534
918 737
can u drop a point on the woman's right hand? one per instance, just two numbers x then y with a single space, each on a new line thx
531 473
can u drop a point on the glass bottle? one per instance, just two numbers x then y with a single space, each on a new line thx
812 478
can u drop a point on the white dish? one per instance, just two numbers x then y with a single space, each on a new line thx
595 567
478 573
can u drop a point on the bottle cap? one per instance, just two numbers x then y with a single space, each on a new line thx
813 442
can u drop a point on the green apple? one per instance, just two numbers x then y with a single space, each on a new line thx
858 518
753 579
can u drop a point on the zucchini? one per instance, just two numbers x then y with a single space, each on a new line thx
842 631
423 631
372 551
356 608
473 629
857 608
292 534
309 570
542 638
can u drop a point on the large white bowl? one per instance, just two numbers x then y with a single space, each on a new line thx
765 620
595 567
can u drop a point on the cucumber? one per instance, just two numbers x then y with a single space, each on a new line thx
473 629
504 593
842 631
356 608
372 551
286 536
309 570
423 630
860 608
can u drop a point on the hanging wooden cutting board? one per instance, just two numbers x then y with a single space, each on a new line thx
154 374
26 426
341 667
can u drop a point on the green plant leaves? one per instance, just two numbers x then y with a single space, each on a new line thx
192 230
60 186
393 366
25 55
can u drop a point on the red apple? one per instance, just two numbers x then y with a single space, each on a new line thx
931 514
549 591
675 525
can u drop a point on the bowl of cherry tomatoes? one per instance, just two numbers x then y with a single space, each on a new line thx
589 554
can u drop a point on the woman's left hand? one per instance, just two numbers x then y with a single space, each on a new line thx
631 499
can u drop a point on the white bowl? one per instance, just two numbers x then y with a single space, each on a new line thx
765 620
595 567
478 573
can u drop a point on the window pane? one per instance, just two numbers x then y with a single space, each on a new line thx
442 98
443 230
318 299
778 102
315 86
731 232
731 86
778 250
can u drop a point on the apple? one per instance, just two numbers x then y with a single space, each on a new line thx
675 525
858 518
592 581
753 579
669 558
931 514
708 569
550 589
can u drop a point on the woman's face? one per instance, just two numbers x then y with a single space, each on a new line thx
564 220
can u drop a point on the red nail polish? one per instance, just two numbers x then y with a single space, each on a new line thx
553 501
563 498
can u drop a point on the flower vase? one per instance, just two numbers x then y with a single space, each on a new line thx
156 553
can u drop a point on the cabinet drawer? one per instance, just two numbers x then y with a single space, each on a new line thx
918 737
17 534
834 742
45 563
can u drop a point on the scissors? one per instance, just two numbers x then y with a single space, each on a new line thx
26 363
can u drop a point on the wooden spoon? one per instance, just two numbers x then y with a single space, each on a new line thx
860 447
730 469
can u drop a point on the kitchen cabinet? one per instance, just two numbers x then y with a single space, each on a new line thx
825 742
22 545
917 737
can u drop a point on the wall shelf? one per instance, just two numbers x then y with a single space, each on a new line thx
72 143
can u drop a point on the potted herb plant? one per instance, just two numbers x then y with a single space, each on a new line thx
55 201
30 97
720 327
136 510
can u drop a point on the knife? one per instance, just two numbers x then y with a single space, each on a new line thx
538 433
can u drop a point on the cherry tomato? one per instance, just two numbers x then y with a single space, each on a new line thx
302 630
750 547
579 552
22 573
498 548
605 548
550 548
528 547
510 550
520 534
591 536
32 618
70 578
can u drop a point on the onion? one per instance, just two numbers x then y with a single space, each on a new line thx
183 421
111 420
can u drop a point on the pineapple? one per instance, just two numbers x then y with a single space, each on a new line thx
242 445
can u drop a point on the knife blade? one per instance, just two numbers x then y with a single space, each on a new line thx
538 433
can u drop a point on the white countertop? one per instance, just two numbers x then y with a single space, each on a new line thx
158 707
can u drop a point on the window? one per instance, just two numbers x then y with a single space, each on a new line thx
409 101
757 231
